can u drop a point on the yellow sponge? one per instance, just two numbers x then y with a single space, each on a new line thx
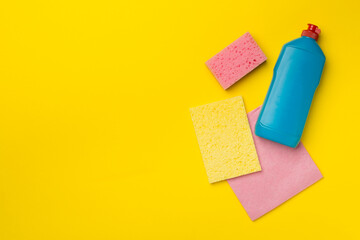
225 139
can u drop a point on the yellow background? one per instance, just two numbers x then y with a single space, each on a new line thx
96 140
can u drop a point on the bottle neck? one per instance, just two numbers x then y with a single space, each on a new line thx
308 38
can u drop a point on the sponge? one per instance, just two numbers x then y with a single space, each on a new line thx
225 139
236 60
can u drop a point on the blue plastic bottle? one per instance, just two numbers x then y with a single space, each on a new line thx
296 76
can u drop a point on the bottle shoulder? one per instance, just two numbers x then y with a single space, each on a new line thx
307 44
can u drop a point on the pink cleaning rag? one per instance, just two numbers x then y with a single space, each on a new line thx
285 172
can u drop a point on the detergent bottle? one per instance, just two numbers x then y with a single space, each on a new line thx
296 76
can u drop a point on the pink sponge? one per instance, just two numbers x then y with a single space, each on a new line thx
236 60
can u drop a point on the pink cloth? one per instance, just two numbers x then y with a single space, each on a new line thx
285 172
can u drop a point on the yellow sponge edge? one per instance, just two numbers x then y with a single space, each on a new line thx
225 139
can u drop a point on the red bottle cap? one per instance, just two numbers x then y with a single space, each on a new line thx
313 31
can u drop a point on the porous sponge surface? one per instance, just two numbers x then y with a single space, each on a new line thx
236 60
225 139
